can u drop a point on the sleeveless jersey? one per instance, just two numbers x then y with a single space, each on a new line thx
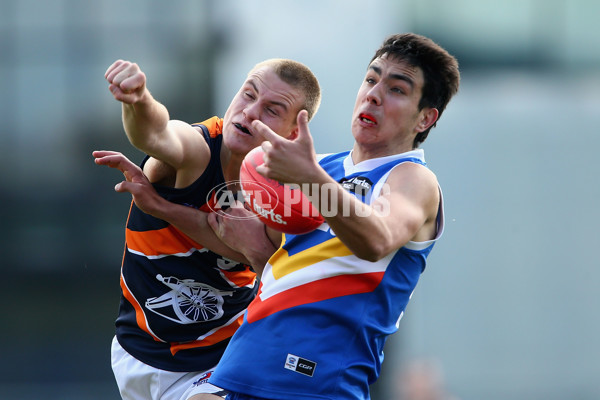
318 325
180 302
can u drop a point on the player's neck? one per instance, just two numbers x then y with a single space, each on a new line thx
230 164
362 153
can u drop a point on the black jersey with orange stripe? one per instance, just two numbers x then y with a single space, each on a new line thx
180 302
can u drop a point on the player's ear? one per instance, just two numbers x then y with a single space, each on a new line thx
293 134
428 117
302 124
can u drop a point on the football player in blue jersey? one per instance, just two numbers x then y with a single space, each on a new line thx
329 298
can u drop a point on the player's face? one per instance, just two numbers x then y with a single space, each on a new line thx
386 117
265 97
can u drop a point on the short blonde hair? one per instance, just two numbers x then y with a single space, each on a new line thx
299 76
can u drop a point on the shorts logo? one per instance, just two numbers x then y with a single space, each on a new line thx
202 379
300 365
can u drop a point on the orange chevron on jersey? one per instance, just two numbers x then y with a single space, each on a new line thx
160 242
139 313
312 292
240 278
213 337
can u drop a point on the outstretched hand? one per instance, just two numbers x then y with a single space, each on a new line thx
285 160
143 193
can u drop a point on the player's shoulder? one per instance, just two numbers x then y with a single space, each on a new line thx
412 173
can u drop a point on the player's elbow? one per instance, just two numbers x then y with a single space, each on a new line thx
368 256
138 141
379 244
374 249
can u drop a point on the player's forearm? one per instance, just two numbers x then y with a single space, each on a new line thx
359 226
259 252
144 121
193 223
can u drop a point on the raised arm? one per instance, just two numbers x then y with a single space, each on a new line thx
147 122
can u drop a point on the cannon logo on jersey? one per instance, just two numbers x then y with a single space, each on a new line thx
188 301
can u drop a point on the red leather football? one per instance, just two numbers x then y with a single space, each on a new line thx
279 206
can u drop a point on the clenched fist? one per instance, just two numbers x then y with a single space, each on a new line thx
127 81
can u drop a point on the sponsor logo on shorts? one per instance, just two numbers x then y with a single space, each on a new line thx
300 365
203 379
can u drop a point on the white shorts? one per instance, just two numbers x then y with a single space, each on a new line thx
139 381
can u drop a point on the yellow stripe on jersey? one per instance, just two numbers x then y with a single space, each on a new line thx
282 264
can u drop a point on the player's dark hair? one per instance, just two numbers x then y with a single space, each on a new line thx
440 70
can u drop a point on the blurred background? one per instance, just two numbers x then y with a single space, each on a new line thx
508 306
